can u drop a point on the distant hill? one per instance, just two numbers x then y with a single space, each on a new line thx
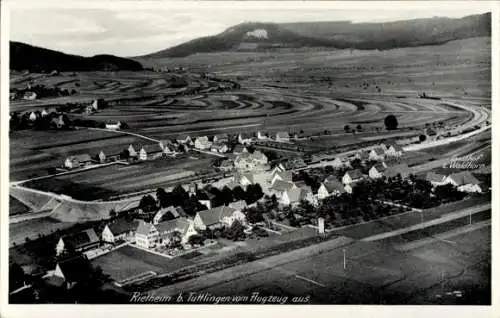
342 34
37 59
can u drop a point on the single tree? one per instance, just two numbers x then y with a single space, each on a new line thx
391 123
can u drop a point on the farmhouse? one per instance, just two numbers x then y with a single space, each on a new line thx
217 218
226 165
262 135
282 175
464 181
206 198
394 150
72 271
376 154
221 138
352 176
222 148
33 116
113 126
146 235
435 179
293 196
245 138
45 112
184 140
333 187
29 96
401 169
282 136
239 149
377 171
279 187
150 152
101 157
168 213
183 226
78 242
119 229
202 143
77 161
251 161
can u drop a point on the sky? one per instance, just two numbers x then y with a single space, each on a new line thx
133 31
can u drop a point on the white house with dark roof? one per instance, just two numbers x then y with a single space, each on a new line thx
146 235
184 226
282 136
251 161
464 181
217 218
394 150
333 187
352 176
101 156
279 187
77 161
376 154
262 135
79 241
282 175
219 147
435 179
245 138
202 143
119 229
132 152
150 152
377 171
184 140
239 149
238 205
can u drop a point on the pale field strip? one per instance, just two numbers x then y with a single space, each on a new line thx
443 219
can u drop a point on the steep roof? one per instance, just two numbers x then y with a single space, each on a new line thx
401 169
121 225
284 175
215 215
81 158
355 174
378 151
143 228
434 177
75 269
464 177
280 185
334 186
395 146
238 148
179 224
238 205
79 239
331 178
151 148
295 194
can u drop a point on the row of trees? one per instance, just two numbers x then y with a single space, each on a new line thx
42 91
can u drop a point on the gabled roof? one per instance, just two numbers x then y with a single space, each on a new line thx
248 176
79 239
355 174
434 177
75 269
202 139
464 177
144 228
215 215
121 225
295 194
395 146
238 205
378 151
401 169
217 146
331 178
179 224
280 185
334 186
231 185
282 134
205 195
151 148
284 175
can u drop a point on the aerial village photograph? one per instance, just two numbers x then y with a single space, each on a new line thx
262 155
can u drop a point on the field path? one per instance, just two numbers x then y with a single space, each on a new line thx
126 133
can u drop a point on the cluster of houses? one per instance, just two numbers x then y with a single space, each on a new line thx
465 181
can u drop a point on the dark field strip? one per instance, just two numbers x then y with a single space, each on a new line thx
360 105
65 144
77 191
